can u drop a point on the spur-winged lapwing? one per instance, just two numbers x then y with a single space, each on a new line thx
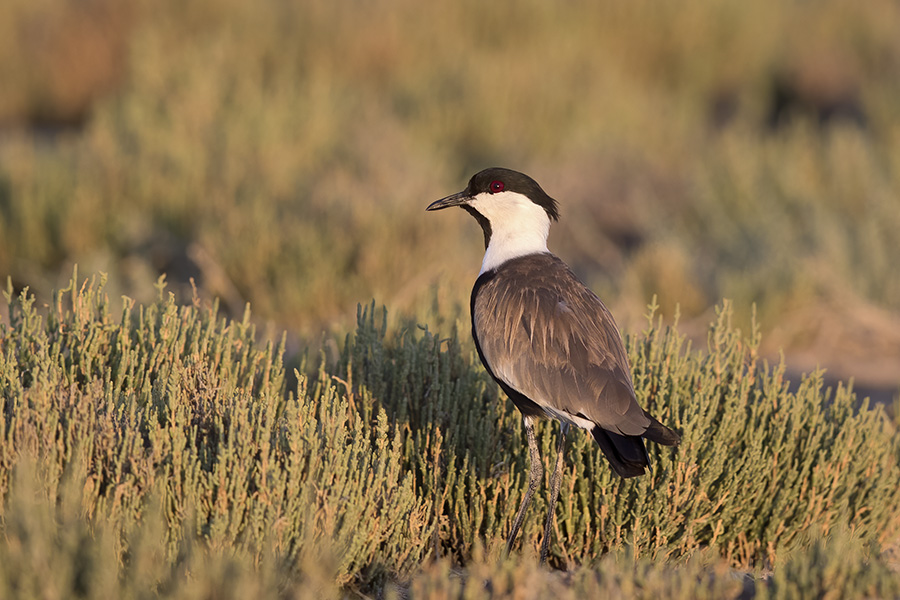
549 342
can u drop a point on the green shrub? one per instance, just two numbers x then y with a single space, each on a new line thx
175 397
401 453
758 464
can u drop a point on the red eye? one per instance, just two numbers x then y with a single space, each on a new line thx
496 186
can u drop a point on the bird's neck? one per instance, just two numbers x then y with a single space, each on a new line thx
507 244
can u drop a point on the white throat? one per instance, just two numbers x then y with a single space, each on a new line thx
518 227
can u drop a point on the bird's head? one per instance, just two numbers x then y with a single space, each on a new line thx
507 204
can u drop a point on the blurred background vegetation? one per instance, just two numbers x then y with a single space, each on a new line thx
281 153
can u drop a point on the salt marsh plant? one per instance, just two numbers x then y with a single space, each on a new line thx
168 434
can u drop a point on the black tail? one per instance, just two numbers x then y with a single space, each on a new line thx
627 454
659 433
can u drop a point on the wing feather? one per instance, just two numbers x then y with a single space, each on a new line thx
550 338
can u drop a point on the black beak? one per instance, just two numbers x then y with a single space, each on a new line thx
458 199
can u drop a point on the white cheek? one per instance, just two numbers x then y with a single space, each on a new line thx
512 212
518 226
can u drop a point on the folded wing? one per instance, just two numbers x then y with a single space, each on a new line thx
550 338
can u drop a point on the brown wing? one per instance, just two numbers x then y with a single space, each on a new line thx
549 337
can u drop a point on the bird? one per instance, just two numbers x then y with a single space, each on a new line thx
546 339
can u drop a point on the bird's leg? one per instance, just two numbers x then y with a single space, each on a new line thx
554 489
534 479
